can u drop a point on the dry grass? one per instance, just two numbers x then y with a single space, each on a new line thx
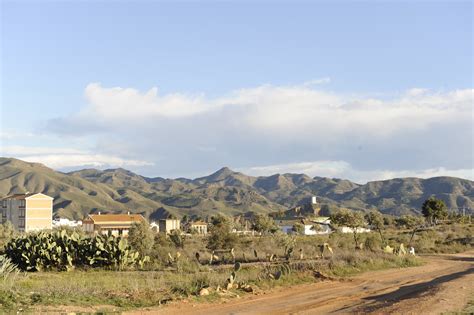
162 282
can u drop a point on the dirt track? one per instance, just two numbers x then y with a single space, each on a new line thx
445 283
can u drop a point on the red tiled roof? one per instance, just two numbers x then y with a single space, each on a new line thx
122 218
199 223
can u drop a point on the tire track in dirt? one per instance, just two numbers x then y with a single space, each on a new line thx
444 283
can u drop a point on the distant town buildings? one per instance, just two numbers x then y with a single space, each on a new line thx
199 227
33 211
168 225
111 224
308 227
346 229
28 212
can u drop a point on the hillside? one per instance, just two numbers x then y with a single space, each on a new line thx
225 191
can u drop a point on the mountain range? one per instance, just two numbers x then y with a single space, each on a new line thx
118 190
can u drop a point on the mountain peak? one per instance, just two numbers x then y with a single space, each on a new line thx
219 175
224 170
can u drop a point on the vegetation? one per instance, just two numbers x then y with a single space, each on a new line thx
414 223
298 228
264 224
60 250
279 260
376 220
6 233
434 209
221 236
141 238
352 219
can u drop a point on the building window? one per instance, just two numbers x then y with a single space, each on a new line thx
22 203
21 224
21 213
4 203
4 213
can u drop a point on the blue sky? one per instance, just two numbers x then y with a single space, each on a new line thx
234 81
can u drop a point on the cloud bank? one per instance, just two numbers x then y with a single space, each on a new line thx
65 158
416 132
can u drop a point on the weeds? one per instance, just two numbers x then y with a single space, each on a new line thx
185 277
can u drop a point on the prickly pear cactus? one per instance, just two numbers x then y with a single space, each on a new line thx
62 250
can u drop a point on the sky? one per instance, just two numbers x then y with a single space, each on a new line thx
357 90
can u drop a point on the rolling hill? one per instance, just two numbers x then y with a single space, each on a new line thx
225 191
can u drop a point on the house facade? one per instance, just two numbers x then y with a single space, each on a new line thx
310 227
168 225
111 224
346 229
28 212
199 227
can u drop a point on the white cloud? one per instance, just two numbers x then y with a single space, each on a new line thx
314 168
278 109
15 134
418 129
62 158
343 169
18 150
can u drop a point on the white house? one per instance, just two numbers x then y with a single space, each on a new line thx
168 225
321 225
311 227
346 229
66 222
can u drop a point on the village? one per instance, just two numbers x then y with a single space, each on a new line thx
30 212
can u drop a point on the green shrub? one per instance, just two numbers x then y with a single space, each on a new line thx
141 238
373 242
59 250
220 236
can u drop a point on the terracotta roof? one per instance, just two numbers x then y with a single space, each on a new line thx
122 218
199 223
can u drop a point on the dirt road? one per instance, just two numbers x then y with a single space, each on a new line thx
445 283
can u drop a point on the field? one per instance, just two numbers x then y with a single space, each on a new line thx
163 281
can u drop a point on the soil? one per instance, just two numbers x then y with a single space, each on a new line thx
445 283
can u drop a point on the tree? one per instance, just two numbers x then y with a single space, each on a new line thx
7 231
352 219
177 238
141 238
434 209
264 224
388 220
411 222
326 210
298 228
220 234
185 219
376 221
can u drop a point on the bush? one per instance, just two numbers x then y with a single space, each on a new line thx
177 238
141 238
8 272
373 243
221 236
